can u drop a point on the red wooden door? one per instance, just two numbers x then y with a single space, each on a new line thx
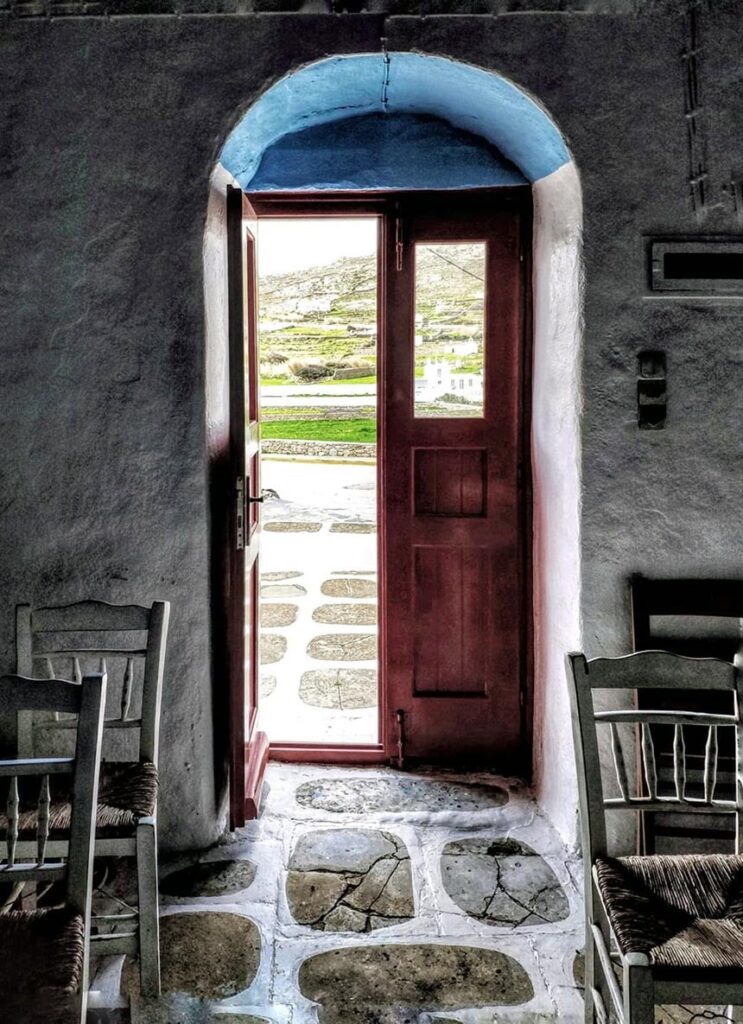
248 748
454 544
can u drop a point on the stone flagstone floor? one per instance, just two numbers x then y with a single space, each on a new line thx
368 896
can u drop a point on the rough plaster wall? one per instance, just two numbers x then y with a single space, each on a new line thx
104 466
110 129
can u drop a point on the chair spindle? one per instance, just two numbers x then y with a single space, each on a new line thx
126 693
679 762
42 833
710 764
619 765
12 810
648 760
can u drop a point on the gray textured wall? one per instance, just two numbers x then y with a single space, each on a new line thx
109 129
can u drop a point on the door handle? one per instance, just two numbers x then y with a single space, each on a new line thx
253 497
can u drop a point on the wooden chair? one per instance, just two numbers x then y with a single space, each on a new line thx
676 922
132 639
44 952
708 618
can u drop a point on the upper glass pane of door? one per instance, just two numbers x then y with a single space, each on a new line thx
449 329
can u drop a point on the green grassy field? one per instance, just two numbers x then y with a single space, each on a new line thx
359 430
311 412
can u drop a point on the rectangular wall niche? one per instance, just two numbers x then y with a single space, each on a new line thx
711 266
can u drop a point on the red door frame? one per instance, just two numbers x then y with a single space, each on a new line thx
385 206
248 753
283 205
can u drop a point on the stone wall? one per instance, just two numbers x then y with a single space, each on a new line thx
109 130
320 449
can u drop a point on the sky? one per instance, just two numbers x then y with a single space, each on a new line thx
294 244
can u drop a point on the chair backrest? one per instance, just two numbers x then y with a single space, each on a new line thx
629 727
127 642
87 703
692 599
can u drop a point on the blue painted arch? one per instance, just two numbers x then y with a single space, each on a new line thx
376 151
469 98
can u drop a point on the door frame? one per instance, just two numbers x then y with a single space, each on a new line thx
248 748
384 205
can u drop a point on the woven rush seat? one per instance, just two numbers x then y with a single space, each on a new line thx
41 966
681 911
127 792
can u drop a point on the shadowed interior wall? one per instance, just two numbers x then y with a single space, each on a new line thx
110 130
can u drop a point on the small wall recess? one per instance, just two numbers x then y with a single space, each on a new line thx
711 266
651 390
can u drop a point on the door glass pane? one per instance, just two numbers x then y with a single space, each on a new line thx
449 329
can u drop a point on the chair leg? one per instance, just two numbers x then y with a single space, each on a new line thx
591 976
149 929
639 995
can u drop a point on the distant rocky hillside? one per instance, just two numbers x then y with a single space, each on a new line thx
329 312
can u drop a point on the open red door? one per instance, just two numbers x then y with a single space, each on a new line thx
248 748
454 513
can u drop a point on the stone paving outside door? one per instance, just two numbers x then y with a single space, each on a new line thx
319 677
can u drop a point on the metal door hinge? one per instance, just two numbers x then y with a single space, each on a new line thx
240 513
399 761
399 248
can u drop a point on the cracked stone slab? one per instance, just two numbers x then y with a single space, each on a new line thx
345 795
350 587
273 648
343 647
353 528
355 880
343 688
209 878
346 614
292 527
282 590
266 685
394 984
207 955
274 576
278 614
503 882
237 1018
691 1015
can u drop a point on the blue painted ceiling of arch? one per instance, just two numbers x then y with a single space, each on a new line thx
375 151
335 89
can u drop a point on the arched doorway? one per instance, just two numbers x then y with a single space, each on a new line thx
483 103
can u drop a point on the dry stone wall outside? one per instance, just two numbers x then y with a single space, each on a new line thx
320 449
